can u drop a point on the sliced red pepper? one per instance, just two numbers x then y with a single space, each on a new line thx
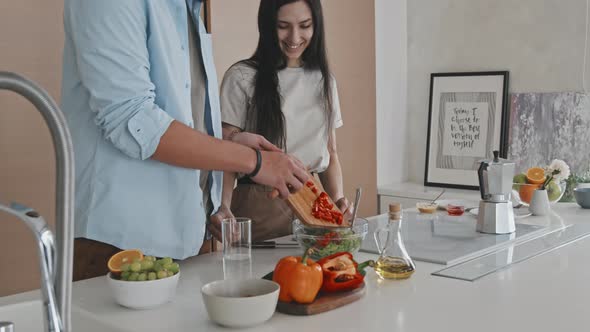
324 210
341 272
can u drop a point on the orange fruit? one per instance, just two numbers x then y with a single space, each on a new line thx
535 175
526 191
123 257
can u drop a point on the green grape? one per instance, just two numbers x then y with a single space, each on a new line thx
158 267
147 265
170 273
167 260
152 276
133 276
174 267
142 277
167 266
125 275
136 260
150 258
135 267
162 274
125 267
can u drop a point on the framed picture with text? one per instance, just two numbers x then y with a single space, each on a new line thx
467 120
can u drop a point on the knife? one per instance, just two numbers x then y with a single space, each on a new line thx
273 245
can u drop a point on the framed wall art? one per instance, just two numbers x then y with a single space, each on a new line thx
467 120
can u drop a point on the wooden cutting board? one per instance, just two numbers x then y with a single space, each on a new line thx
324 302
302 201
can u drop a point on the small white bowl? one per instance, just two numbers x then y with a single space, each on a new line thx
143 294
240 303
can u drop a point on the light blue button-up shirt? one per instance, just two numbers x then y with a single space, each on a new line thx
126 77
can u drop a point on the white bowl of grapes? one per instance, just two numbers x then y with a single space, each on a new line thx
144 282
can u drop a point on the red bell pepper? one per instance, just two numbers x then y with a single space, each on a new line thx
322 208
341 272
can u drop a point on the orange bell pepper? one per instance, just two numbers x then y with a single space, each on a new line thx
300 278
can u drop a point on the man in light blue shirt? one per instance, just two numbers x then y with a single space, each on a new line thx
126 93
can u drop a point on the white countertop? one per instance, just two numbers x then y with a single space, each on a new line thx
549 292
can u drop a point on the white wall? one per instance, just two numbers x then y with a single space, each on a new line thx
391 76
541 43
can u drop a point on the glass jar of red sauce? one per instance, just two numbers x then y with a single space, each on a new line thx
455 210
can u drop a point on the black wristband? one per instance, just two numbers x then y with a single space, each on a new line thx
258 164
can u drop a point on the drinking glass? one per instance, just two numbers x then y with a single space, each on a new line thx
237 248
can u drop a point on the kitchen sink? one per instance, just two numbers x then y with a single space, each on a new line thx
28 317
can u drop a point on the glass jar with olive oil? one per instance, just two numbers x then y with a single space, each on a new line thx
394 261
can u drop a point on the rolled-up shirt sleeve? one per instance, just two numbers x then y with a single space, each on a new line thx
113 63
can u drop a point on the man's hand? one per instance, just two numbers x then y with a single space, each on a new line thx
281 171
254 141
214 225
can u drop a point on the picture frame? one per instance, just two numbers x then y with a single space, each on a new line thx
467 120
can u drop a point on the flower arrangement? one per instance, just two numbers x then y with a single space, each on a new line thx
558 170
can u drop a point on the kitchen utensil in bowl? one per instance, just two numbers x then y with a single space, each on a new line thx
357 200
426 207
582 196
240 303
143 294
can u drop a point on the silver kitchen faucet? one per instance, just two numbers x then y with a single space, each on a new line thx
56 261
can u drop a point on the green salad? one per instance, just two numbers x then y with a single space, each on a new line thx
327 242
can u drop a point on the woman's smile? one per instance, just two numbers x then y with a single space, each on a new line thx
292 47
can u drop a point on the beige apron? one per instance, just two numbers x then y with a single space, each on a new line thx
271 218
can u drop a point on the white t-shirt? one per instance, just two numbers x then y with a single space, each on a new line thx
302 106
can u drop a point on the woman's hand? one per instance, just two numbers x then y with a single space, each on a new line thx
254 141
346 207
214 225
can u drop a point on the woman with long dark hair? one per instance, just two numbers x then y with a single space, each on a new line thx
286 93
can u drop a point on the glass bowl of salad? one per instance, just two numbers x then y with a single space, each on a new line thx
327 241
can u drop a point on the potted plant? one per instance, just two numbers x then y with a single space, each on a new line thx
573 181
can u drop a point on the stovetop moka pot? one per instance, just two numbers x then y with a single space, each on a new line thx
495 214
